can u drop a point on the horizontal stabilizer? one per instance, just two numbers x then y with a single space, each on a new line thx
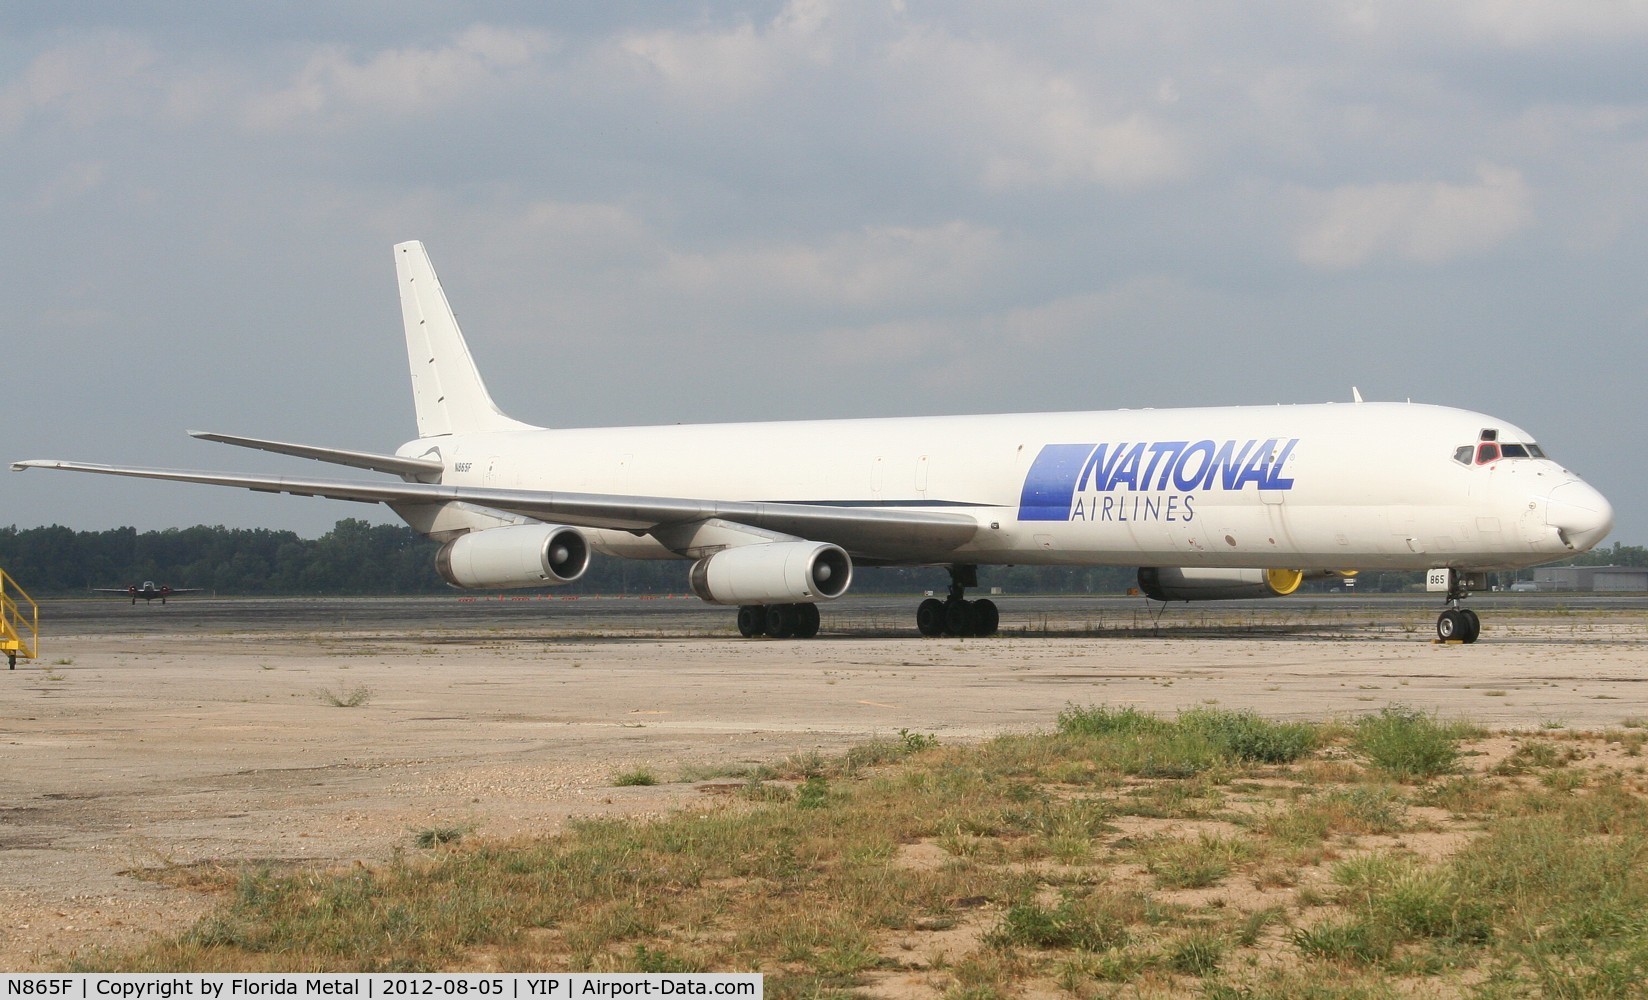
414 468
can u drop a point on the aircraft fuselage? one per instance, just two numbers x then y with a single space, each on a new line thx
1327 486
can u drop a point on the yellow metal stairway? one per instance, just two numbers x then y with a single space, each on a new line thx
19 622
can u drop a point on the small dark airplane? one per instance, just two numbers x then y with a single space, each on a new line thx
149 591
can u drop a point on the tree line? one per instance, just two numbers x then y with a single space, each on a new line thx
356 558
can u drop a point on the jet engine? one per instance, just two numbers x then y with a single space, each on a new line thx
1192 583
773 573
520 555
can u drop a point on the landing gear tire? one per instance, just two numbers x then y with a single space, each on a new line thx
930 618
1458 625
986 617
955 615
1473 625
1450 625
806 620
780 621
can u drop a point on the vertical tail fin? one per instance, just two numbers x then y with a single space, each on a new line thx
447 390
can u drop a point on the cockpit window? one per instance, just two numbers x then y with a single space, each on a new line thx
1489 450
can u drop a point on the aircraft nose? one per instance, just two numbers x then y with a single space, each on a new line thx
1581 515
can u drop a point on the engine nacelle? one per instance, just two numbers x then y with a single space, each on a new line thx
773 573
520 555
1195 583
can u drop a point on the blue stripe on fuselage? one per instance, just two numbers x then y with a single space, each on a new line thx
1051 482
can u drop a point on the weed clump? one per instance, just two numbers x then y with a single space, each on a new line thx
1408 744
357 697
1353 941
1196 864
438 836
1101 720
1070 924
814 793
1146 746
1245 737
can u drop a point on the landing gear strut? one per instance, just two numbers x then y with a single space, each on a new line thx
955 615
781 621
1457 623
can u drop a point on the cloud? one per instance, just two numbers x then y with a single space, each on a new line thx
81 82
72 182
1528 23
1062 141
1424 222
970 350
334 85
1025 125
1513 24
1011 120
737 64
874 267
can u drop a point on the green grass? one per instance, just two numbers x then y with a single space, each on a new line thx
1083 925
1206 860
1199 741
1409 745
1046 858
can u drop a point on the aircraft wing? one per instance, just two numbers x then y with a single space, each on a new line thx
868 532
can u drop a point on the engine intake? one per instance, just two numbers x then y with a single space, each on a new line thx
773 573
1195 583
520 555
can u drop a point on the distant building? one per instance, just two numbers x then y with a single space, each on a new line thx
1592 579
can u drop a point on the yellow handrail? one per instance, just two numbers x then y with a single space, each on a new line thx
19 629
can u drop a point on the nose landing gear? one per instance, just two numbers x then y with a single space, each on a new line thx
955 615
1456 623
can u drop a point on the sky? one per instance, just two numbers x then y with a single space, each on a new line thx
648 213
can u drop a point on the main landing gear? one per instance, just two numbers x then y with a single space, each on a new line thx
1457 623
955 615
781 621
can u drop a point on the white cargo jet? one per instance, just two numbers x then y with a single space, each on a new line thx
1224 503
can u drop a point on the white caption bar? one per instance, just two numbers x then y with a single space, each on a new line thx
379 986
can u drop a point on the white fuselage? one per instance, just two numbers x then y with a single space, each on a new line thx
1332 486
